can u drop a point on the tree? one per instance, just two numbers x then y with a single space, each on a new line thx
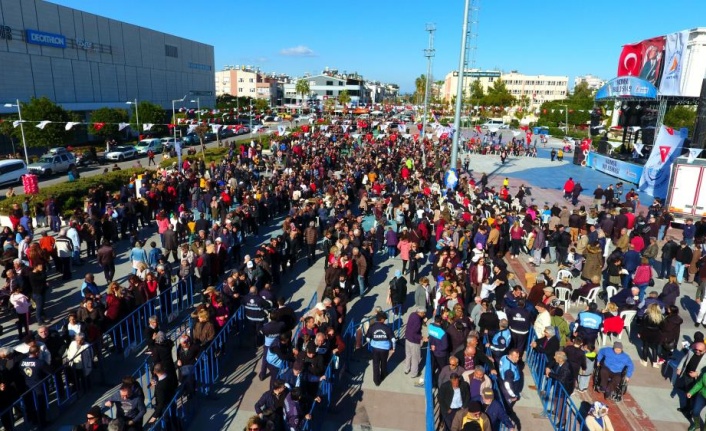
54 133
344 98
149 113
111 117
302 88
681 116
476 92
420 85
498 95
201 131
581 92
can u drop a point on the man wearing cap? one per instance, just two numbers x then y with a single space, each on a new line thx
453 396
471 412
614 361
382 341
413 342
495 411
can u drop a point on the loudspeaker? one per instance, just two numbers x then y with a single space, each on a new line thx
595 121
603 145
648 123
699 140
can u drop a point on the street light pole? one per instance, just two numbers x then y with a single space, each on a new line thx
137 114
174 128
429 54
459 90
198 106
22 129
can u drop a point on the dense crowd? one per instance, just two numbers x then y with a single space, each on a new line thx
455 250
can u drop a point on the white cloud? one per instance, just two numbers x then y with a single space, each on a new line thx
298 51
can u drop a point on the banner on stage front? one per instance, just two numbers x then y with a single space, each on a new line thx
625 171
655 175
675 57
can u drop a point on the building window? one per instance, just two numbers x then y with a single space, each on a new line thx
252 90
240 89
171 51
241 80
329 83
251 80
329 92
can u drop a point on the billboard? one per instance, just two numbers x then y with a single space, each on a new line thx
674 63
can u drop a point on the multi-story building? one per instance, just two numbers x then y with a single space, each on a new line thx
537 88
486 78
238 81
380 92
84 62
328 85
594 82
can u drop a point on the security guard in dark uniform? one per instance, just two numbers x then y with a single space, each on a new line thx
35 370
382 341
255 314
519 320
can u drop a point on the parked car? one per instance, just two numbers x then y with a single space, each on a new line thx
209 137
57 150
169 142
89 157
12 171
191 139
145 145
121 153
224 133
50 164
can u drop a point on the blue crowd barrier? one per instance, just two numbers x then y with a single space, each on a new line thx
312 303
430 408
130 330
56 391
557 403
324 394
143 377
177 414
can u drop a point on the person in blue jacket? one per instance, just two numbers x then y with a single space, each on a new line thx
495 411
614 361
382 341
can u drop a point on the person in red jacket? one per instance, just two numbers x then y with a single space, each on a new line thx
568 188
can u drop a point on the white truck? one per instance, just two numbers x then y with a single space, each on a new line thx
686 196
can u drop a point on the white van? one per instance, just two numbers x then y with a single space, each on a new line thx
496 123
11 171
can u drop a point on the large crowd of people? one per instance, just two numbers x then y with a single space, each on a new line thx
323 187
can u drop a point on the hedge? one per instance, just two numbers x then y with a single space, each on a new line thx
70 195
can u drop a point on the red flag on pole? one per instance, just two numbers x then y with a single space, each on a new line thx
98 126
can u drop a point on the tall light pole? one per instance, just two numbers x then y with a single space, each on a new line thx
137 114
251 115
459 95
174 116
198 106
22 128
429 54
566 124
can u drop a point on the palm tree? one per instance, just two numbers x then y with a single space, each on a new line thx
344 98
420 84
302 88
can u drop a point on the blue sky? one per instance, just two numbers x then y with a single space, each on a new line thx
384 39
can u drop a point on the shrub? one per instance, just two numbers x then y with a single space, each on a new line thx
68 195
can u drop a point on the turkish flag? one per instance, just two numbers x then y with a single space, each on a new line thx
664 152
320 120
369 136
393 138
170 126
305 128
444 136
416 138
478 129
630 60
419 127
525 128
98 126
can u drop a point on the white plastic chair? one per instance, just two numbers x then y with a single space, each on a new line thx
591 297
610 291
563 294
628 317
562 274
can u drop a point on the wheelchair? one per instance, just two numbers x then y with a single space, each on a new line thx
620 390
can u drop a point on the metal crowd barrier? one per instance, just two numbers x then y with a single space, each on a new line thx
430 400
298 329
61 388
324 393
557 403
143 376
129 332
176 415
354 334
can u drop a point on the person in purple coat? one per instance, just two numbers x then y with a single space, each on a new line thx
391 242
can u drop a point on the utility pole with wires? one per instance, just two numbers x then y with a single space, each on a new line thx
429 54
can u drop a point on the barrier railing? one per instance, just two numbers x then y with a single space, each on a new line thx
560 408
354 334
557 403
429 413
59 389
177 414
143 376
312 303
130 330
324 394
207 366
